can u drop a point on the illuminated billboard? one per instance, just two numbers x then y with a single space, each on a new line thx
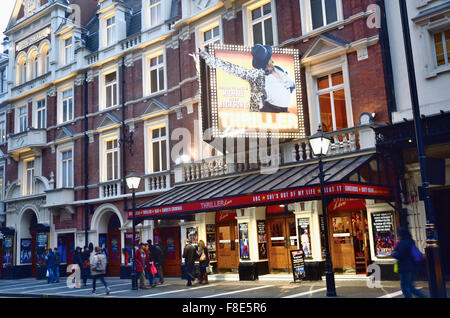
253 92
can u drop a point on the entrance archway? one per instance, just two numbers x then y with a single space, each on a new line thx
108 224
27 241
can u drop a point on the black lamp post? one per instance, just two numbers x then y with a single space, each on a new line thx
133 181
435 276
320 145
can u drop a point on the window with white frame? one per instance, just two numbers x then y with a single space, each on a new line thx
67 168
2 127
323 12
210 36
28 184
331 101
41 114
262 25
4 81
68 56
158 149
442 48
23 118
154 11
111 159
156 73
67 105
33 64
21 70
110 30
110 89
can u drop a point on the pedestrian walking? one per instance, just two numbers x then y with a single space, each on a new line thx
189 255
204 262
98 269
156 255
162 259
57 263
408 257
148 265
86 265
50 264
140 257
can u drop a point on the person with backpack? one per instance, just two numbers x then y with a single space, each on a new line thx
409 258
86 265
57 263
98 269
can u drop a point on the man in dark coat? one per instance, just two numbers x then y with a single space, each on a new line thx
156 256
189 255
50 263
57 263
407 267
86 265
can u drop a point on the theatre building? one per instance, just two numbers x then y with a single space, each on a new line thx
100 89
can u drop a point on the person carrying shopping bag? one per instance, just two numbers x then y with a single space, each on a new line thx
98 269
409 258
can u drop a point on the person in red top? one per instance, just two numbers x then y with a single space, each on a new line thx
140 265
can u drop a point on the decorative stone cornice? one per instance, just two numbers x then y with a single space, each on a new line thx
52 91
79 80
90 76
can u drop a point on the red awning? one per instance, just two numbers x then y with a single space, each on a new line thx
288 185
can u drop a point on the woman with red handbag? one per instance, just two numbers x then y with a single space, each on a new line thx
150 268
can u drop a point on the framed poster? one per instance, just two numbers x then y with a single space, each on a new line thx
322 236
240 106
383 233
8 249
298 265
102 243
211 241
128 250
192 235
305 236
262 239
25 251
41 247
243 241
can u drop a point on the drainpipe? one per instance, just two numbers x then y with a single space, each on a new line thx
86 170
122 146
387 61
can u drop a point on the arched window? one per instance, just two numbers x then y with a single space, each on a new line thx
33 64
21 69
45 58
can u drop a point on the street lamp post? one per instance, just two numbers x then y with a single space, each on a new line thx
432 250
320 145
133 181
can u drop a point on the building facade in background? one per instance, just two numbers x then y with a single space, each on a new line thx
98 89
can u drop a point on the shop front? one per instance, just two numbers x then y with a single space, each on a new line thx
257 220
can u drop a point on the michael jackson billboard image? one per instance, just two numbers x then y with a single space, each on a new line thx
255 92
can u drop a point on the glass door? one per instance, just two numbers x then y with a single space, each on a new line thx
342 243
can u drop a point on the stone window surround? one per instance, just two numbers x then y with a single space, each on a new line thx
60 149
339 63
206 26
146 57
427 28
149 125
60 91
104 138
246 20
306 21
